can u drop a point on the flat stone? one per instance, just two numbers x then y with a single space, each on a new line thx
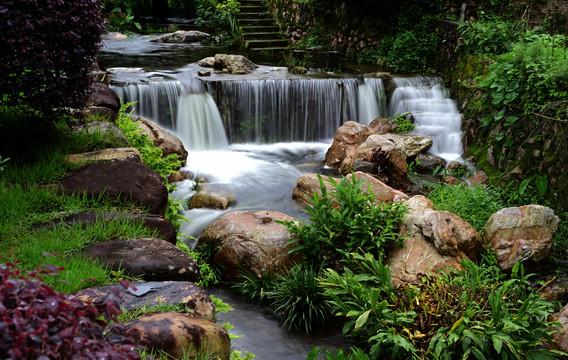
108 154
148 294
151 259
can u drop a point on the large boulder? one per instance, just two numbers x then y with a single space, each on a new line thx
389 161
169 143
436 239
180 335
521 234
101 95
164 228
234 64
345 142
181 36
149 294
120 180
308 185
250 240
560 337
151 259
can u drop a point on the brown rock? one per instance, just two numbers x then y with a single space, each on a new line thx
179 176
149 294
108 154
308 184
452 180
210 198
169 143
346 141
235 64
181 37
151 259
427 164
120 180
480 178
179 334
382 126
251 240
560 338
521 234
103 96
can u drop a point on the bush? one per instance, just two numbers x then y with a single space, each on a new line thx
49 47
488 38
39 323
346 220
472 313
216 15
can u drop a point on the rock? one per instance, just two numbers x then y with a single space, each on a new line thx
181 37
114 36
103 96
452 180
100 112
480 178
149 294
560 338
235 64
521 234
207 62
179 176
165 230
108 154
410 145
427 164
455 167
204 73
365 166
120 180
249 240
298 70
437 239
346 141
390 161
169 143
151 259
179 335
308 184
382 126
210 198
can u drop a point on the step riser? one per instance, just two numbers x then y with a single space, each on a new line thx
261 36
260 32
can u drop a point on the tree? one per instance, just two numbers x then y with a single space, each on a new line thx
47 49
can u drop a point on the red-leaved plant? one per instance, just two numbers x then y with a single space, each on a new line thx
37 322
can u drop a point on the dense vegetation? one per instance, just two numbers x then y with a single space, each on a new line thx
48 50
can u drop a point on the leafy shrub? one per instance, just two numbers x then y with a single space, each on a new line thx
473 204
346 220
216 15
354 354
299 299
474 312
256 287
38 322
532 78
404 123
408 53
49 47
488 38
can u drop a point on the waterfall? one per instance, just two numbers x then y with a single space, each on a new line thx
199 123
435 114
371 100
184 108
156 101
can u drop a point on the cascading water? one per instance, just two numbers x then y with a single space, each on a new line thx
187 110
435 115
268 111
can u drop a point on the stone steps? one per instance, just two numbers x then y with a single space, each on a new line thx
260 31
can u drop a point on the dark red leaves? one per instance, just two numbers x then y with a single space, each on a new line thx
37 322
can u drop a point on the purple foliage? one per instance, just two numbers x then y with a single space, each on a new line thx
37 322
47 48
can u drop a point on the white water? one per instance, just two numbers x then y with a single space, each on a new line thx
371 100
435 114
199 123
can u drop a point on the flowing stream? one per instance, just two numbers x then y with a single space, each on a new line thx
254 135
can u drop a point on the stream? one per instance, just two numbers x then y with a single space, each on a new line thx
254 135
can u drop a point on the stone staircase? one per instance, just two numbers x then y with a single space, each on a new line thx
260 31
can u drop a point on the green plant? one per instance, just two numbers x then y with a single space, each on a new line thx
403 122
216 15
471 313
299 299
473 204
343 220
488 38
256 287
354 354
238 355
210 275
122 21
3 161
